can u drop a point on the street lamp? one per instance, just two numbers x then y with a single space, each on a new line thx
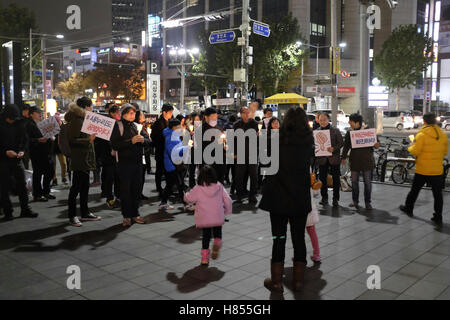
44 63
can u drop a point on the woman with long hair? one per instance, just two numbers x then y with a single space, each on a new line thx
286 195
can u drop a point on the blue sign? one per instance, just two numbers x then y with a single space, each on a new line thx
221 37
261 29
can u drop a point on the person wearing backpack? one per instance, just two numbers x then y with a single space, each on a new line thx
128 144
82 160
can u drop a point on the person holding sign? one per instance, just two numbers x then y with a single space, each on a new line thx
82 160
128 143
331 161
361 160
41 158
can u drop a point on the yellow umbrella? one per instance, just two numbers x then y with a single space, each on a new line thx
286 98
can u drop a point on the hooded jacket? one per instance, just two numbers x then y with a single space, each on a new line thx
430 148
212 203
82 150
288 193
173 146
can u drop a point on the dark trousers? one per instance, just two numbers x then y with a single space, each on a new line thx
436 186
279 231
148 162
242 170
172 179
43 172
110 181
192 168
80 185
159 171
367 177
130 175
9 170
215 232
323 176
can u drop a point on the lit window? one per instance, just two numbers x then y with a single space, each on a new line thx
437 15
436 32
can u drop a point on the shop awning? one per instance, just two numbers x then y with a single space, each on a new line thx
286 98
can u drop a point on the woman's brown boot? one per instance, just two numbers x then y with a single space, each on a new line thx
299 275
275 283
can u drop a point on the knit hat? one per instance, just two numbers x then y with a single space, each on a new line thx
11 112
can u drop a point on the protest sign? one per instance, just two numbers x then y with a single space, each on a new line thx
363 138
322 141
49 127
100 125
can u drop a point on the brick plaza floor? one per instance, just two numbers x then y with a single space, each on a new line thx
161 259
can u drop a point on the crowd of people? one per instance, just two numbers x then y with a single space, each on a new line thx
121 165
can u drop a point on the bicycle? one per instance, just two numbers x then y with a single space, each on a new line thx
384 152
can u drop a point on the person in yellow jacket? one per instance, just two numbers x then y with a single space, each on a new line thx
430 148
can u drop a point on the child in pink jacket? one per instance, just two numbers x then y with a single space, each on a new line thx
212 203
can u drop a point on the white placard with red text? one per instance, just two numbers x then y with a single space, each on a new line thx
363 138
100 125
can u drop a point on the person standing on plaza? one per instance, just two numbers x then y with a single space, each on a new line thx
287 196
272 126
158 141
57 154
195 122
173 152
361 161
430 148
212 203
41 158
82 160
110 175
210 121
12 149
330 163
268 114
251 169
127 142
25 120
140 121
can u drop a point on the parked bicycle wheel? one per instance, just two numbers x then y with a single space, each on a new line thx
399 174
380 162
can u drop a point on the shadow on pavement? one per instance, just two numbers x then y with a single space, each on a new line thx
445 228
159 216
196 278
238 208
64 214
10 241
313 283
189 235
330 211
379 216
94 238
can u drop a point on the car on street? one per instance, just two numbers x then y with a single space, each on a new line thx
398 119
445 124
417 118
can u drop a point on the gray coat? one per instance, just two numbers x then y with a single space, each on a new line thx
337 142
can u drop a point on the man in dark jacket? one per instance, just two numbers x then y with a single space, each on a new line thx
210 122
246 123
41 158
24 120
12 149
158 141
82 160
127 142
361 160
332 162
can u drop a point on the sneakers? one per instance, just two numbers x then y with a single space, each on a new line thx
50 196
316 258
205 257
216 247
110 204
165 206
29 214
90 217
75 222
40 199
409 213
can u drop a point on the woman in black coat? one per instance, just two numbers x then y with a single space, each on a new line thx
286 195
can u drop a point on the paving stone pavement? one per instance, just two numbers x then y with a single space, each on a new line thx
161 259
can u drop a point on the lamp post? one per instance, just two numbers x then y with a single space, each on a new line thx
44 63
